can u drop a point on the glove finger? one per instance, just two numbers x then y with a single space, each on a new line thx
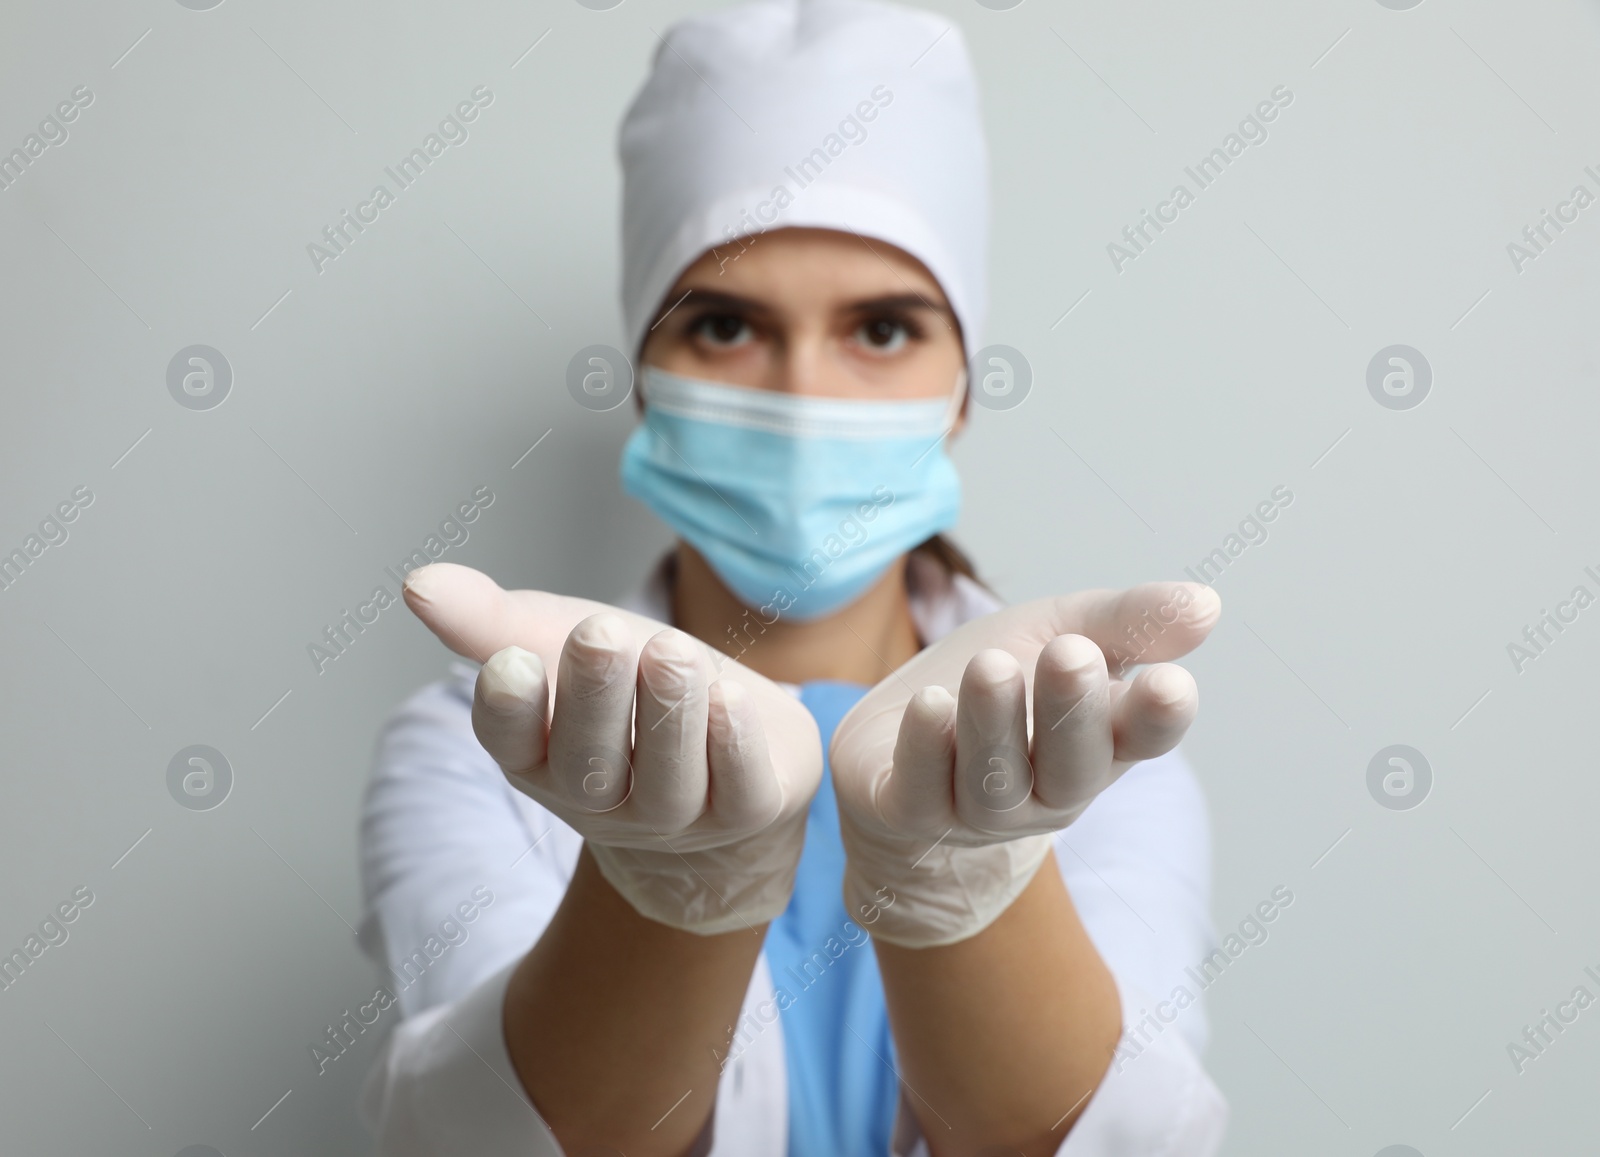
918 796
745 792
1151 623
509 708
467 610
591 726
473 616
1072 738
1152 713
1144 624
669 745
993 778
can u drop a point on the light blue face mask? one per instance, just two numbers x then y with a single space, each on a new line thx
798 503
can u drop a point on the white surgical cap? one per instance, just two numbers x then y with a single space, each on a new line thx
769 99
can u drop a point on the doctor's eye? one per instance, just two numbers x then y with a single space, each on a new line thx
885 335
722 330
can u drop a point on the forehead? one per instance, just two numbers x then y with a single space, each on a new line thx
797 267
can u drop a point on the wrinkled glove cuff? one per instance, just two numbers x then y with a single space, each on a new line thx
950 894
738 886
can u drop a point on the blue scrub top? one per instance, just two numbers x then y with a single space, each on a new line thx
843 1090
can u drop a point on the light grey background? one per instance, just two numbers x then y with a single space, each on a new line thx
1169 399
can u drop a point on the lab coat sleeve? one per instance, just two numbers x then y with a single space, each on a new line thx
443 835
459 881
443 1084
1138 865
458 877
1154 1102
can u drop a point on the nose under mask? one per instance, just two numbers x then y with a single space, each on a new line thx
799 504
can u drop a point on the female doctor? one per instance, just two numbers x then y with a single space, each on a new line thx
848 858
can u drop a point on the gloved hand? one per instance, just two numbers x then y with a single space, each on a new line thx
690 786
946 808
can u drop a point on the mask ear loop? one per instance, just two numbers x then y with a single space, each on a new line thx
957 400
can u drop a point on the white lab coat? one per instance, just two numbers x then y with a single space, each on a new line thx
441 830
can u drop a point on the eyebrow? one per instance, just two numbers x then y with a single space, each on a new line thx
903 301
733 302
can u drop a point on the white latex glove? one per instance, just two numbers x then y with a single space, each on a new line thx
691 787
945 806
